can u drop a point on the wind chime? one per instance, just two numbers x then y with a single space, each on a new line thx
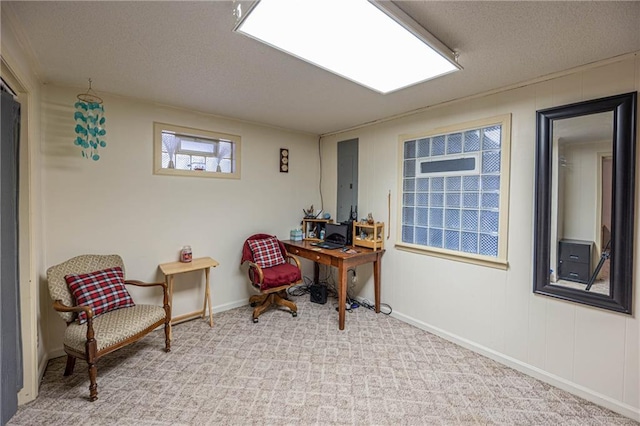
90 119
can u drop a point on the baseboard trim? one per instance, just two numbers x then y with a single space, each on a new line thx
557 381
56 353
204 314
230 305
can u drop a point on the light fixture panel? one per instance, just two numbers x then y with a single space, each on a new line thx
375 45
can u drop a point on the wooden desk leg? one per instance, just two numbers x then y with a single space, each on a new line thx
342 295
376 282
207 298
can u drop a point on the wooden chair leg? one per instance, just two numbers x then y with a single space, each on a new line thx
279 299
167 335
283 301
257 299
71 363
93 387
268 300
167 324
91 348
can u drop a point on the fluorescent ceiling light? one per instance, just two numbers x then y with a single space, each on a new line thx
382 50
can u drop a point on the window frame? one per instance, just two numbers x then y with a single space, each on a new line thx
500 261
208 135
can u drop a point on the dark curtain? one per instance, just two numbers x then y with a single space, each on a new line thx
11 340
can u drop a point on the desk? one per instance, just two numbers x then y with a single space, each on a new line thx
201 263
343 261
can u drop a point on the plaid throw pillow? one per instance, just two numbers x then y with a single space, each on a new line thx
103 290
266 252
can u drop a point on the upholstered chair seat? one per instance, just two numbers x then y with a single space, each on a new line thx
114 327
276 275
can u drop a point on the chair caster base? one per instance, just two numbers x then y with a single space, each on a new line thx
294 314
255 320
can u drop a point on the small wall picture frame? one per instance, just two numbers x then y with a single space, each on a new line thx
284 160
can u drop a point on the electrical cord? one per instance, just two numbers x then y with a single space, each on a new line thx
305 287
326 279
301 289
367 304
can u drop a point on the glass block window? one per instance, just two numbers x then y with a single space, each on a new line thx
455 191
192 152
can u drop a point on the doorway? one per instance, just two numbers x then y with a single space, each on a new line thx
11 341
347 180
27 371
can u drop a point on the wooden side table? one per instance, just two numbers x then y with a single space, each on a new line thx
201 263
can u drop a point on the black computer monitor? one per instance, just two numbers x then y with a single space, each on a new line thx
336 233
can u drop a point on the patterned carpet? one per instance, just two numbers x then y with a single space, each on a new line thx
285 370
599 286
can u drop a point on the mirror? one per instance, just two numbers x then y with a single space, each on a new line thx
584 207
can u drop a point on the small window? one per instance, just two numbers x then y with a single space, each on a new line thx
184 151
454 186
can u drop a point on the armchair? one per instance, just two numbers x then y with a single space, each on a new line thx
272 271
93 328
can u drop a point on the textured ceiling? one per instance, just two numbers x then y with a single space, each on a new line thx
585 129
185 54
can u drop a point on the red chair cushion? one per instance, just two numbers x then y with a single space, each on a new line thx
280 275
103 290
266 252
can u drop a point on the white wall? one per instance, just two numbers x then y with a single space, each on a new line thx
117 205
582 185
592 352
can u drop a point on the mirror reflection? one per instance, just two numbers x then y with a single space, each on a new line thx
581 202
584 216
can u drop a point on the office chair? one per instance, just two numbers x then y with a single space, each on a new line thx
272 271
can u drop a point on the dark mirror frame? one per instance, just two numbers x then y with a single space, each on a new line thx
622 209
